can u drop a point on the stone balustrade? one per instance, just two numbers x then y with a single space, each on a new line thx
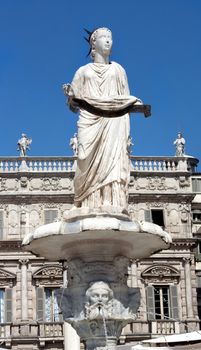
9 333
164 327
68 164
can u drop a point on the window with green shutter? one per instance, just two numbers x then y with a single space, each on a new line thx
8 305
40 304
47 308
150 303
162 302
52 310
50 215
174 303
155 215
196 184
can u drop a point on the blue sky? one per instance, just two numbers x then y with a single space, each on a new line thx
158 42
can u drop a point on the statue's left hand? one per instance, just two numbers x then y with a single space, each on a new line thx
67 89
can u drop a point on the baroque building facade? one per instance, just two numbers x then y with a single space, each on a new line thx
37 190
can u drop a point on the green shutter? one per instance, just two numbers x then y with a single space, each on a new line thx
147 215
50 216
196 185
8 305
150 303
1 225
174 302
40 304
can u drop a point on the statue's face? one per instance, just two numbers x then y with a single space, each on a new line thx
99 295
103 43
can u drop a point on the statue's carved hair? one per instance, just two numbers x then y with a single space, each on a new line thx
92 39
98 285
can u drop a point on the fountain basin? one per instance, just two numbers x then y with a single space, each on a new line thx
95 239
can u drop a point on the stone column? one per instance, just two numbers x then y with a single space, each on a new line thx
71 338
134 282
187 269
24 296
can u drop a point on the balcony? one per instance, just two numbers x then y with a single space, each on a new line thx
166 327
68 164
42 332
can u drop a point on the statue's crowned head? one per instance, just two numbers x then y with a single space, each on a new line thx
99 39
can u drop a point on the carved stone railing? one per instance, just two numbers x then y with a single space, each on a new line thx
44 331
164 327
163 164
37 164
68 164
51 330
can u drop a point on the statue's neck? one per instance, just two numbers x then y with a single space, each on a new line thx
101 59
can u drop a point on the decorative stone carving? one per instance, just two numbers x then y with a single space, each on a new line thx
141 183
156 273
150 205
174 220
23 181
2 184
52 183
35 184
184 209
13 220
24 261
67 184
156 183
11 185
100 303
34 218
5 208
101 308
132 181
6 278
184 181
49 275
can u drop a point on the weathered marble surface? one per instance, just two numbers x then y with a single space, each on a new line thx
100 238
98 303
103 166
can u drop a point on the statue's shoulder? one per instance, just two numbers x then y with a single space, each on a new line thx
118 67
83 68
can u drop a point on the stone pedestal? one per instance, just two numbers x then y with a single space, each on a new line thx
98 250
98 303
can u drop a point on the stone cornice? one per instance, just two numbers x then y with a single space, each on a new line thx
147 196
179 243
11 246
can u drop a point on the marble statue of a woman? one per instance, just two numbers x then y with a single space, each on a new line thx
100 92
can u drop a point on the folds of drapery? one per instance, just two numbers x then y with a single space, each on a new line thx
102 141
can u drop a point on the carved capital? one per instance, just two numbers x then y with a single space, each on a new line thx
24 261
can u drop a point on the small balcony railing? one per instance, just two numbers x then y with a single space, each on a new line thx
42 332
68 164
164 327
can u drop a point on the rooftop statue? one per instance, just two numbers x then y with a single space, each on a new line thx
74 144
180 145
23 145
100 92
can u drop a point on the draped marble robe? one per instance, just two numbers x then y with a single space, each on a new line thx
102 173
